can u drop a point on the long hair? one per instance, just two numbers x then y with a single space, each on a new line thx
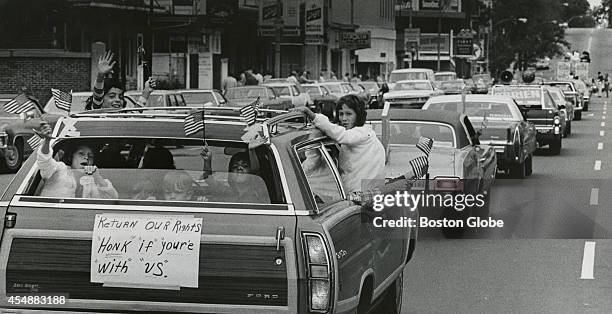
353 102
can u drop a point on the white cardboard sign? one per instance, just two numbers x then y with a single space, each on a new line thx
159 252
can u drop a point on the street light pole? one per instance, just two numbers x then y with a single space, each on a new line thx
278 25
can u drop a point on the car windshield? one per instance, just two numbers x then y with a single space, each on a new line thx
445 77
452 84
312 90
395 77
413 86
566 87
198 98
157 169
242 93
370 86
282 90
407 133
152 101
334 88
492 110
524 97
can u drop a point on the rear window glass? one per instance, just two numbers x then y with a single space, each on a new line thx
334 88
160 170
394 77
198 98
413 86
282 91
408 133
312 90
491 110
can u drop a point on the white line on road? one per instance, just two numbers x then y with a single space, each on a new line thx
597 165
603 124
602 132
594 196
604 112
588 260
603 118
600 146
590 115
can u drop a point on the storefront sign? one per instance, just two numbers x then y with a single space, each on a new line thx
444 5
411 38
428 43
314 17
313 40
356 40
464 47
146 251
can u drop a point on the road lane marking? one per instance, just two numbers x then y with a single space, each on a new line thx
590 115
597 165
604 112
600 146
601 133
602 124
603 118
588 260
594 196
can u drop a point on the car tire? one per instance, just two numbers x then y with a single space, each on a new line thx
452 214
13 158
578 116
569 128
586 107
517 170
555 147
529 165
392 298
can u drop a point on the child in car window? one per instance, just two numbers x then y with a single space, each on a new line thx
77 176
179 186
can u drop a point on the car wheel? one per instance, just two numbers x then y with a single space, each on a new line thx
555 147
578 115
517 170
586 107
529 165
392 298
13 157
452 214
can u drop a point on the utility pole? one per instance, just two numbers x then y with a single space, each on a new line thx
278 25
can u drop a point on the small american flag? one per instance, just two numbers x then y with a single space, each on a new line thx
419 166
62 100
35 141
425 144
19 104
194 123
249 112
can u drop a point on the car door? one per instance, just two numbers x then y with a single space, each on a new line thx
486 158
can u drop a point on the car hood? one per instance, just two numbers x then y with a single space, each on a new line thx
441 161
397 94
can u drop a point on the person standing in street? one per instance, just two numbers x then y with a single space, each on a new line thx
606 85
346 78
228 83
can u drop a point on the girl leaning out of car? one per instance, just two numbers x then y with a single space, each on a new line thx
77 176
362 155
108 91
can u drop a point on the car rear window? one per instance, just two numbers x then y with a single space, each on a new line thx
407 133
334 88
159 170
394 77
198 98
492 110
412 86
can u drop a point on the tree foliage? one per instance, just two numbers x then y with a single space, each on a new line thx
514 42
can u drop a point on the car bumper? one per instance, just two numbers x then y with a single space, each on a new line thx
505 153
548 134
407 105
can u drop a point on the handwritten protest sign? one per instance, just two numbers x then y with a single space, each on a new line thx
155 252
563 70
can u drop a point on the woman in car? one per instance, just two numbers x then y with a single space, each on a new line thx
362 155
76 176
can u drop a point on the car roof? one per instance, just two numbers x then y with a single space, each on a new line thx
412 70
249 87
413 81
275 84
472 97
196 90
155 92
445 72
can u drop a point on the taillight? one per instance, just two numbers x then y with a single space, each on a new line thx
3 139
319 273
448 184
557 120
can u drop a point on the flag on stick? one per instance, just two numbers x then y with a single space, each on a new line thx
62 100
19 104
425 144
419 166
249 112
194 123
35 141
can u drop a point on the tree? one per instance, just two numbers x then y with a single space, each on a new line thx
517 43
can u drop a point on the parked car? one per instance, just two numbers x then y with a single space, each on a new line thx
410 74
161 98
500 124
411 94
452 86
292 91
315 250
566 106
243 95
372 89
338 88
203 96
568 86
360 92
585 93
324 101
540 108
445 76
458 164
